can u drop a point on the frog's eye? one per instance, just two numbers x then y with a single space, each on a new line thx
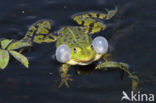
100 44
63 53
92 47
75 50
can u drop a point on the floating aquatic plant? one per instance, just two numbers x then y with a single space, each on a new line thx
9 47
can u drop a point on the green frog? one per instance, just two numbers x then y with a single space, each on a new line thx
74 45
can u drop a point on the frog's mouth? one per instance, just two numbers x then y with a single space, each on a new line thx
85 61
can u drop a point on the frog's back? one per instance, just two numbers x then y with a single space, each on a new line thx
72 36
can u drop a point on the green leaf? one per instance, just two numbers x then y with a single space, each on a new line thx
4 58
21 58
18 44
5 43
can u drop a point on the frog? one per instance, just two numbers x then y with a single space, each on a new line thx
75 45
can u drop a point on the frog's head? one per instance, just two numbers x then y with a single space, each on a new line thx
82 53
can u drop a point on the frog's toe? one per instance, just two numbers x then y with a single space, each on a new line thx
65 80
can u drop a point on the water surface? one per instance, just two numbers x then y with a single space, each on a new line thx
131 34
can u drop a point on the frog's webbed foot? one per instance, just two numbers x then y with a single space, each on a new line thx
110 13
65 77
64 80
39 32
122 66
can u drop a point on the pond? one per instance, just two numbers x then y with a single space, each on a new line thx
131 34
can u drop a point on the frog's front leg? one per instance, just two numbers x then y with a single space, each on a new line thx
122 66
106 56
63 70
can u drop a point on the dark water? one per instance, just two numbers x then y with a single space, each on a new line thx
131 34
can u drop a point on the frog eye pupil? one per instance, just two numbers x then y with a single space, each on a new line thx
91 47
75 50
